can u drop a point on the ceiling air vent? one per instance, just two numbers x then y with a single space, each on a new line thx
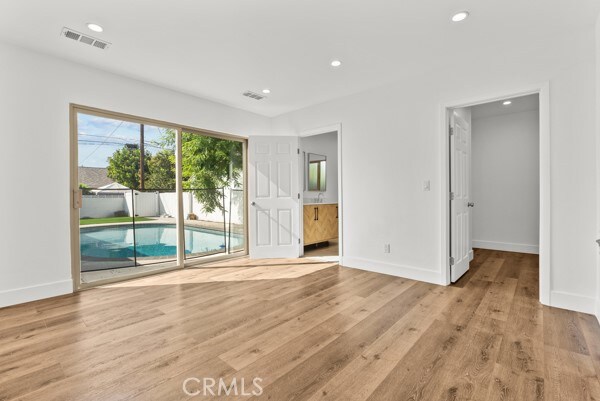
85 39
71 34
253 95
101 45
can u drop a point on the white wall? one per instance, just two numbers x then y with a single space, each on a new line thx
395 132
324 144
598 166
168 205
505 182
97 206
35 92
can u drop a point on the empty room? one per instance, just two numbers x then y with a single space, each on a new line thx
316 200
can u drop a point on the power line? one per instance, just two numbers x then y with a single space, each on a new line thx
123 140
93 142
98 147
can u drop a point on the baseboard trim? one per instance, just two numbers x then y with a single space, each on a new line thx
574 302
413 273
506 246
597 311
34 293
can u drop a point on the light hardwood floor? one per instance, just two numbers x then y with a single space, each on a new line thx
311 331
332 249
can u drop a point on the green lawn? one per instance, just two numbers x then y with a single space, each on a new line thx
108 220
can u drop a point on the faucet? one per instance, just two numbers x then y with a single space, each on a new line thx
319 199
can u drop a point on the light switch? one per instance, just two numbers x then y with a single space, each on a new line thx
426 185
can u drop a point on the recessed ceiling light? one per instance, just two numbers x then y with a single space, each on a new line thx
460 16
507 103
95 27
266 91
336 63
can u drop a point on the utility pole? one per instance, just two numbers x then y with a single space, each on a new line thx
142 151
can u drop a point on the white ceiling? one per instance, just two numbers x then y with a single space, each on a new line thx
493 109
217 49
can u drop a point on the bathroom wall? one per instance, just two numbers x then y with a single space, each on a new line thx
323 144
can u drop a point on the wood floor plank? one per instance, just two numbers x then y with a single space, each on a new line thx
362 376
250 351
571 376
310 331
497 301
522 346
462 308
506 385
469 368
562 330
480 256
488 271
33 381
414 371
302 381
591 328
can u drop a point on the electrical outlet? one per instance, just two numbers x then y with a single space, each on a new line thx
386 248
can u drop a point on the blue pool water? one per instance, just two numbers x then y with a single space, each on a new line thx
151 241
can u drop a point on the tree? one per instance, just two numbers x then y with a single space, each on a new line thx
124 166
209 164
161 170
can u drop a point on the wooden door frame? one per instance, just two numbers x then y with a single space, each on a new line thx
543 90
181 263
319 131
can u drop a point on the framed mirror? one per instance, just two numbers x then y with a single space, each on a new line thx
316 171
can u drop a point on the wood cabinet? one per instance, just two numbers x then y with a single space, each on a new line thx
320 223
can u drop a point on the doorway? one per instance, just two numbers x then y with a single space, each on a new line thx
497 169
320 184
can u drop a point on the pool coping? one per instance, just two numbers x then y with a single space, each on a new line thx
209 225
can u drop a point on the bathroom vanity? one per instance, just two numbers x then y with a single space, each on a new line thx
320 222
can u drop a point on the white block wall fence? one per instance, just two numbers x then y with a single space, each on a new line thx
156 204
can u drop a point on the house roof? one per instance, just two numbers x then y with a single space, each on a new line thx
112 189
94 177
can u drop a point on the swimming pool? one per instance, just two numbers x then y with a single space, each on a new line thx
156 241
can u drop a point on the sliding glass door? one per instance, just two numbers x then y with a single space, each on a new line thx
213 187
131 218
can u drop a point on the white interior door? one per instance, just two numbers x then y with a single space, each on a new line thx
460 190
273 194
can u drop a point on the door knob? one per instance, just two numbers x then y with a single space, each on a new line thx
253 203
471 204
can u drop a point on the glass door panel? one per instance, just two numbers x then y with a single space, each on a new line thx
212 179
126 172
